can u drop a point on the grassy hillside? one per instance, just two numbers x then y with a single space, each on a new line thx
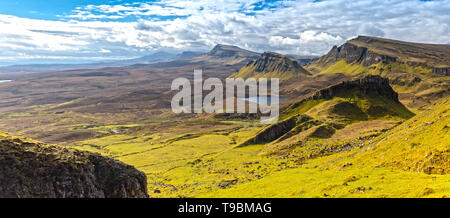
331 111
411 160
310 153
360 183
420 144
180 164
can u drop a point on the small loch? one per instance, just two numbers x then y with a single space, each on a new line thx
264 100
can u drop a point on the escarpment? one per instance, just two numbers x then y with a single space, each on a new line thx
32 169
367 51
369 84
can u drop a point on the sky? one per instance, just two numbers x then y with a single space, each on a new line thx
93 30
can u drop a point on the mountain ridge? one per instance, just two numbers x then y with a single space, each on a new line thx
370 50
144 60
420 73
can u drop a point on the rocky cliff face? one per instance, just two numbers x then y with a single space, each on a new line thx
354 54
368 50
273 62
369 84
31 169
283 129
273 132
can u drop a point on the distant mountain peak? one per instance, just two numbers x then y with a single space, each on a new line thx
225 46
228 55
188 55
273 54
223 51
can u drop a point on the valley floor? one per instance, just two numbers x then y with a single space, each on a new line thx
355 183
207 163
200 157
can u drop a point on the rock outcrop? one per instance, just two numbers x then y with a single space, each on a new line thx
369 84
273 132
281 129
32 169
274 62
271 65
355 54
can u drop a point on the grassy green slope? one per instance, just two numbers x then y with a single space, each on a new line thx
360 183
420 144
207 163
404 162
321 118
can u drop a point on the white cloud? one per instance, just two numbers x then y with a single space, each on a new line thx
105 51
306 42
301 27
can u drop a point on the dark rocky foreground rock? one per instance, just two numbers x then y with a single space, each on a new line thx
32 169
